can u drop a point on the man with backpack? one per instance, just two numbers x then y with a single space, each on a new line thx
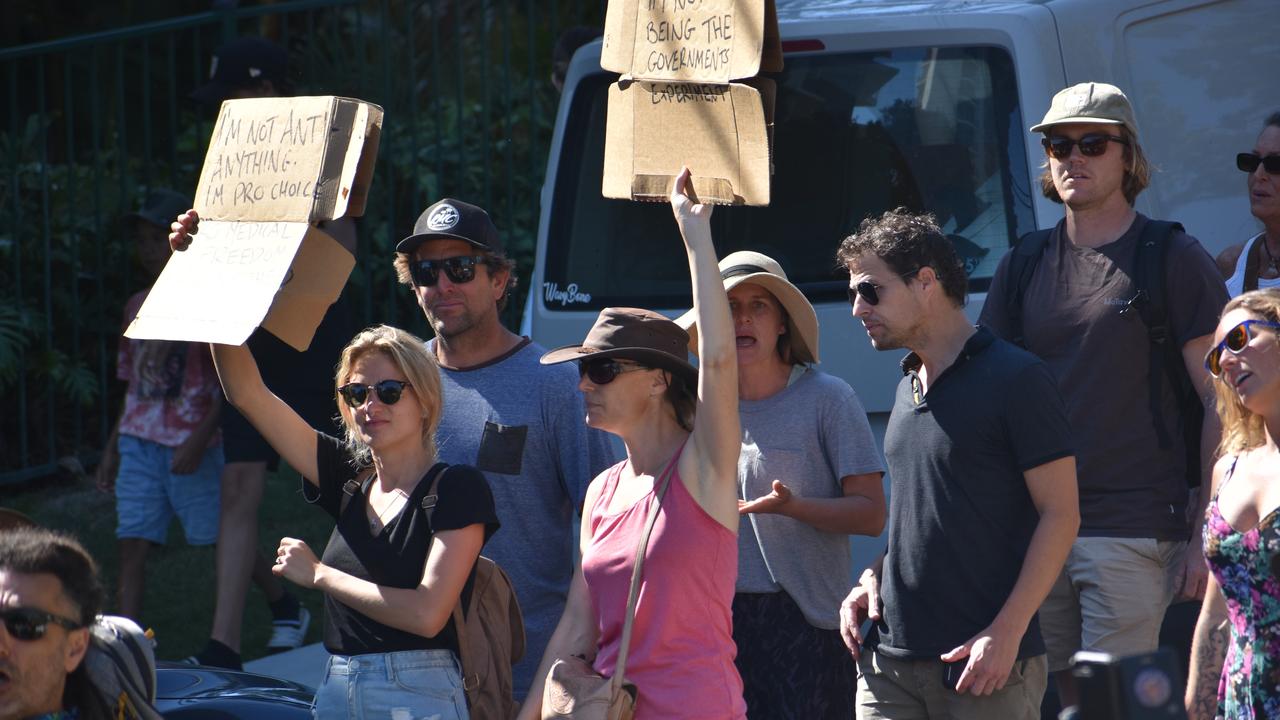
1122 309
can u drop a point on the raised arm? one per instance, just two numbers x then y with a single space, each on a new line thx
282 427
712 455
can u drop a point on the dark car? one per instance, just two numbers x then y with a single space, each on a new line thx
191 692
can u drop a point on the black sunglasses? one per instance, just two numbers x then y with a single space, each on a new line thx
1235 340
389 392
603 371
1249 163
871 291
31 624
461 269
1091 145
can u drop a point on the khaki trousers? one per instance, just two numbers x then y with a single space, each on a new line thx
890 689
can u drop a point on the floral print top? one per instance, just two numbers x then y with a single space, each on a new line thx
172 385
1245 565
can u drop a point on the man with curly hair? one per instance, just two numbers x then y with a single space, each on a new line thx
982 507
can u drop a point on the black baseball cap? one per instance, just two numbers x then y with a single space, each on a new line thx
241 63
454 219
162 207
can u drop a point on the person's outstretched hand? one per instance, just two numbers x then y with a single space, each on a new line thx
180 232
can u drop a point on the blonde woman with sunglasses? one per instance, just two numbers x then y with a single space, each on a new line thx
1235 657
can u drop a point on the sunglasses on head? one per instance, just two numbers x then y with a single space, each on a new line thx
603 371
1235 340
389 392
1091 145
870 291
1249 163
31 624
461 269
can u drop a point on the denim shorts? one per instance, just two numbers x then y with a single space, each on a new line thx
405 685
148 495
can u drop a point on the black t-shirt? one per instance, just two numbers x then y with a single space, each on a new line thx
960 515
396 556
1129 485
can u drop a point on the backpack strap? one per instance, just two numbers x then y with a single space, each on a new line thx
1151 300
1022 266
355 485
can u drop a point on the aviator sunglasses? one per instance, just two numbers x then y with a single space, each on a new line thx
1249 163
31 624
604 370
871 291
1235 340
389 392
1091 145
461 269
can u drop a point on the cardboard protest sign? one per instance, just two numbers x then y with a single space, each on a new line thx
720 131
274 167
704 41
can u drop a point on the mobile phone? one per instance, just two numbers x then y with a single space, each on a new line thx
951 672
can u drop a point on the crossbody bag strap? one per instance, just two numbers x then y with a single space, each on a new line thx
665 480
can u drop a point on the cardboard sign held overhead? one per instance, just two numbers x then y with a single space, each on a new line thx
705 41
720 131
293 159
274 167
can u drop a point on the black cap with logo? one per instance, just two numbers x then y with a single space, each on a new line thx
454 219
242 63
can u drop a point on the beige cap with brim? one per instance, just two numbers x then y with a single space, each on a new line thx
746 266
1090 102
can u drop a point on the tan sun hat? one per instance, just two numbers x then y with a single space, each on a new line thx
746 266
1090 102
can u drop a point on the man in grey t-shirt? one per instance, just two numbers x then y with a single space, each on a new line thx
519 422
1133 553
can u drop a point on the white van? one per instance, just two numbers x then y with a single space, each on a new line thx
887 103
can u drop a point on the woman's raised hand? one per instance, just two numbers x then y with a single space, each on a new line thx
180 232
684 206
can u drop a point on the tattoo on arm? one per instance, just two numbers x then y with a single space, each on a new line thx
1207 664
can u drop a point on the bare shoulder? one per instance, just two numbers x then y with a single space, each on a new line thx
1227 260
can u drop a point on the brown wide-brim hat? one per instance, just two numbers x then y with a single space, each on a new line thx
746 266
644 336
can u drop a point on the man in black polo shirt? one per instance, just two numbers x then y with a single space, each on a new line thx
982 507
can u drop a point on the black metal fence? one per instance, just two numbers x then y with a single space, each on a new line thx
90 124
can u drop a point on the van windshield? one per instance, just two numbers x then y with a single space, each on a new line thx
930 128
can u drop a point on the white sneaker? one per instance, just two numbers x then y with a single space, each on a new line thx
289 633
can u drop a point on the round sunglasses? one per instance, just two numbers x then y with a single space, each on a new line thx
388 391
459 270
603 371
1236 339
29 624
1091 145
1249 163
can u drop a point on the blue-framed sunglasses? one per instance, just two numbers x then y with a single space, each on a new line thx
1235 340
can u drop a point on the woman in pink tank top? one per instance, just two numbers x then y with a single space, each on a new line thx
640 386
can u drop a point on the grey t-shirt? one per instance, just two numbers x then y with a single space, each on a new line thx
522 424
810 435
1129 485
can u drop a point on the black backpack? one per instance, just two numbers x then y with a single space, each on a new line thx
1150 301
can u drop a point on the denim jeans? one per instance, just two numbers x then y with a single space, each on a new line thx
406 685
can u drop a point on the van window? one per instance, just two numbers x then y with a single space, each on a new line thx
929 128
